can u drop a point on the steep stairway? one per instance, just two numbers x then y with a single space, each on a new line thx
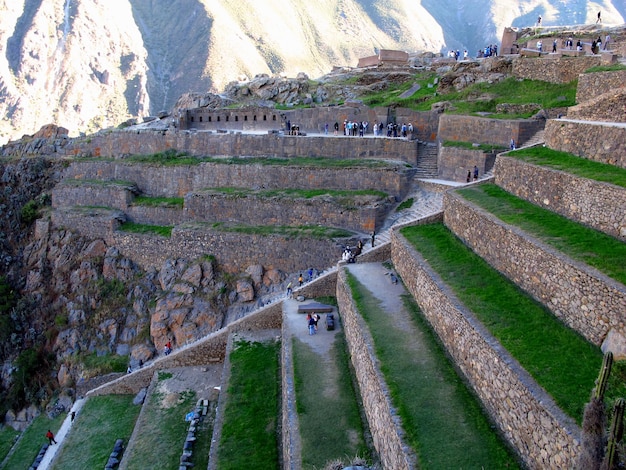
427 160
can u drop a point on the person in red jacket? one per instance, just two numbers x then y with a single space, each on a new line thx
50 437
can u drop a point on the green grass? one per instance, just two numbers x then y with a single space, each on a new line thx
559 359
161 230
149 201
101 365
96 182
7 439
442 419
97 426
595 248
605 68
167 158
174 159
304 231
487 148
163 430
482 97
391 94
330 423
578 166
300 193
249 436
32 439
405 204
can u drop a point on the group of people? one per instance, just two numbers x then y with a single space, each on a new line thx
312 320
352 128
568 44
488 51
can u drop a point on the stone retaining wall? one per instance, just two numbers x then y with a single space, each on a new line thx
591 85
453 163
553 69
498 132
582 297
540 432
593 203
234 251
208 350
177 181
214 207
118 144
602 143
91 194
383 421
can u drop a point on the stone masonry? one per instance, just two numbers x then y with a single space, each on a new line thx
386 430
583 298
605 143
497 132
590 202
453 163
553 69
540 432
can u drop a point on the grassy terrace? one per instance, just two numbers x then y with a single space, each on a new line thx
328 413
603 252
249 436
162 428
559 359
154 201
173 158
100 422
295 193
569 163
31 441
443 421
487 148
479 97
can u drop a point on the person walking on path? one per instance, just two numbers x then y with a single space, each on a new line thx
373 238
599 20
475 173
289 290
300 279
311 323
50 437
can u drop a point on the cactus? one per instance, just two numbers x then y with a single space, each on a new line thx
611 459
603 378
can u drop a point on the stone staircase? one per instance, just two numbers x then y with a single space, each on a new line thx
427 154
536 139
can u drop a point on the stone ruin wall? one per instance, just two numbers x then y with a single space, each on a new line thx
540 432
605 144
453 163
283 211
553 69
234 251
591 85
203 206
497 132
568 288
177 181
383 422
119 144
599 205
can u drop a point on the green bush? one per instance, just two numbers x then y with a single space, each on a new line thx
30 212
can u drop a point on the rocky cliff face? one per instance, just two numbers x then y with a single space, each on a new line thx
91 64
77 298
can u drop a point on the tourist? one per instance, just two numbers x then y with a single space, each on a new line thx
579 45
512 144
311 324
373 237
554 46
300 280
326 128
539 20
540 46
50 437
289 290
599 20
606 41
72 416
336 128
469 176
475 173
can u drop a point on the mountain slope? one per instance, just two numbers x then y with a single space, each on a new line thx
89 64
